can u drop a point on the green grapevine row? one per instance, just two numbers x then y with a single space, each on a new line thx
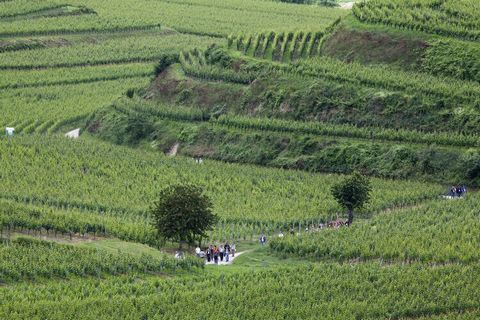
193 64
12 79
40 109
99 175
25 259
177 113
329 291
443 231
70 219
384 77
283 47
454 18
148 47
201 17
411 136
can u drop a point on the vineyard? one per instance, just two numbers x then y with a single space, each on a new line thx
146 48
335 291
26 259
58 105
306 88
98 177
449 17
266 105
203 17
287 144
398 236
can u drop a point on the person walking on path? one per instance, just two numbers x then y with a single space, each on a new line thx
227 252
232 249
263 239
222 251
215 254
209 253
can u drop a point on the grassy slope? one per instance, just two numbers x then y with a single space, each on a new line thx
405 49
302 151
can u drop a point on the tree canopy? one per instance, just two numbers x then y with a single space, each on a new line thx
352 193
182 213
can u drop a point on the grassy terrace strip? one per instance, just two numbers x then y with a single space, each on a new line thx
443 231
321 92
453 18
103 176
383 77
364 291
204 17
445 90
27 110
177 113
149 47
163 126
49 77
27 259
340 130
193 64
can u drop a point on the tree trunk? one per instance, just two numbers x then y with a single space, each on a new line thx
350 217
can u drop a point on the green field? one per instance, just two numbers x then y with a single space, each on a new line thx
281 100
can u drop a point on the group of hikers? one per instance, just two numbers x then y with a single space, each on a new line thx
217 254
457 191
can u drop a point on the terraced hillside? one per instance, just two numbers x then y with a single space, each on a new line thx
276 101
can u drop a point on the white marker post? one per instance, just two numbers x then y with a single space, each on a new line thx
9 131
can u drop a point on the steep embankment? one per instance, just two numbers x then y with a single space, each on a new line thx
288 144
405 45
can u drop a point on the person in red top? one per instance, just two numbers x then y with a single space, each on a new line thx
215 254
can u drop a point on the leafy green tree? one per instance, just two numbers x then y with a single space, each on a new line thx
352 193
182 213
